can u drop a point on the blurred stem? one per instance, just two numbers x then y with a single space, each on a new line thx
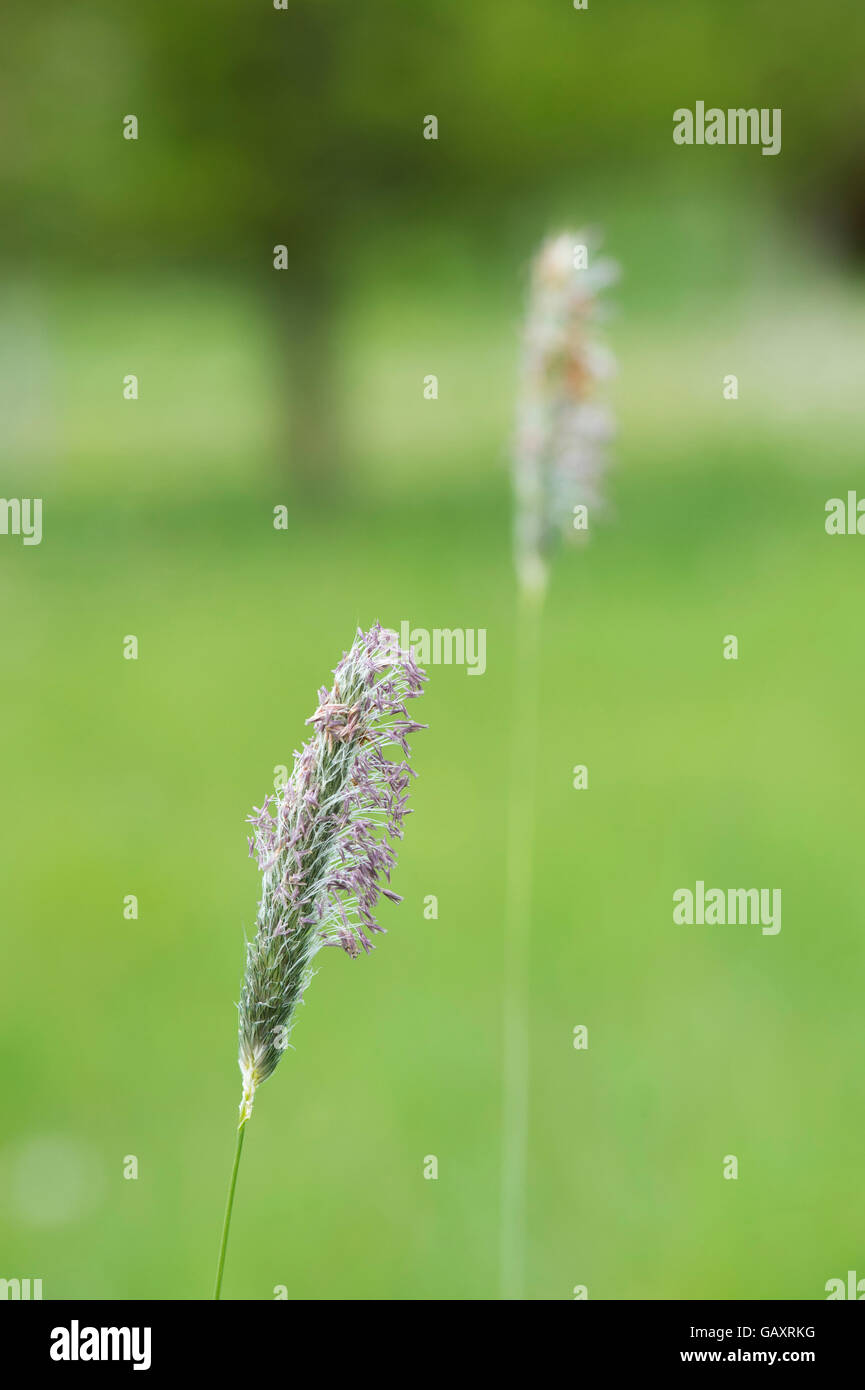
517 942
228 1205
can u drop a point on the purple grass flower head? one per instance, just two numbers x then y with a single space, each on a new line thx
563 429
324 843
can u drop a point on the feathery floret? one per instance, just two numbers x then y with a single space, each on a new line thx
562 429
322 842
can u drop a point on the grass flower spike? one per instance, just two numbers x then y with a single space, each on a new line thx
563 428
324 847
320 857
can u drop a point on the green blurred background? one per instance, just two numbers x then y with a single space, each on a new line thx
305 388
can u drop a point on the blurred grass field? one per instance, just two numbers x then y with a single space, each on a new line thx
118 1037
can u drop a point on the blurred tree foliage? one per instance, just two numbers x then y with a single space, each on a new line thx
261 126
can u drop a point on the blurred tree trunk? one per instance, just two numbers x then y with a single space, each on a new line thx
307 295
304 311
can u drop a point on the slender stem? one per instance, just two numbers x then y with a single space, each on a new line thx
515 1066
228 1205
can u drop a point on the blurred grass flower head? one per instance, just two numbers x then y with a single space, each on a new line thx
323 843
562 428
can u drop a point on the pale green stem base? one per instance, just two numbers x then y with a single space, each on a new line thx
228 1205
